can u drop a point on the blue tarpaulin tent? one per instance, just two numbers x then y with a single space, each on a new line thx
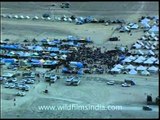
10 47
77 64
8 60
55 49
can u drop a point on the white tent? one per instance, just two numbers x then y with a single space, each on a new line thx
148 61
27 17
141 68
152 47
119 66
130 67
153 58
132 72
152 34
131 57
144 23
48 18
150 52
16 16
140 42
36 17
21 17
147 47
155 38
137 46
141 58
157 62
153 69
140 52
154 29
138 61
115 70
143 38
134 26
145 72
69 19
127 60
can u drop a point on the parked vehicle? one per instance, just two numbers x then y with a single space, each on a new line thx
19 93
6 85
75 82
69 80
11 85
110 83
53 78
126 85
147 108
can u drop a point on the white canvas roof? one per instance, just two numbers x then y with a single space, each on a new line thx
115 70
130 67
148 61
119 66
138 61
141 68
137 46
131 57
127 60
153 58
147 47
153 68
7 75
145 72
154 29
140 52
132 72
150 52
157 62
141 58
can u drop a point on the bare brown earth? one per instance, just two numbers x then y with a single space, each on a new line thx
93 88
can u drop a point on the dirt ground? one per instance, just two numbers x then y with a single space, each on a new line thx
93 89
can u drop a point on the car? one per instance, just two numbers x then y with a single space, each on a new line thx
14 79
111 83
130 82
11 85
25 87
75 82
19 93
69 80
147 108
53 78
126 85
6 85
30 81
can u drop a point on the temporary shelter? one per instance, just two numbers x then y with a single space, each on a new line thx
132 72
145 72
116 70
130 67
153 69
141 68
119 66
154 29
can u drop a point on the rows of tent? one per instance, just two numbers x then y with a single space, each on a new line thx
79 20
141 60
143 55
132 70
146 23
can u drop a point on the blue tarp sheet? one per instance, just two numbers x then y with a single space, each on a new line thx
53 49
77 64
8 60
11 47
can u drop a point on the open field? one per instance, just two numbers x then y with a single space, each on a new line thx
93 89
